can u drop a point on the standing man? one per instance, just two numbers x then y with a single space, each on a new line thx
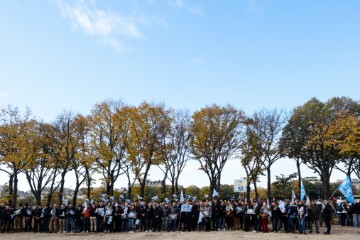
356 214
327 216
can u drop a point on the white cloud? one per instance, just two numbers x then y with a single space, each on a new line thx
195 10
4 94
255 7
179 3
109 27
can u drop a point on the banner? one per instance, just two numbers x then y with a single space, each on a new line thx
240 185
345 188
186 208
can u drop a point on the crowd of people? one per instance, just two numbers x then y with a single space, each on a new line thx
111 216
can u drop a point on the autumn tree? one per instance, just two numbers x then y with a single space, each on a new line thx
316 120
250 160
41 169
108 131
266 125
149 123
64 143
215 137
86 152
293 140
175 147
343 135
83 163
14 141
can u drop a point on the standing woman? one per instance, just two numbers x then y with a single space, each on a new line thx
302 213
264 214
327 216
229 216
108 218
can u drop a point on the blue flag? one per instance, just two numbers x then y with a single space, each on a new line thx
302 191
345 188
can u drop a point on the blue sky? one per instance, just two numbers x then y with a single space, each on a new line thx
70 54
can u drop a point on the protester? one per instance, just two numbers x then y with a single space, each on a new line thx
264 214
327 216
314 216
356 214
118 216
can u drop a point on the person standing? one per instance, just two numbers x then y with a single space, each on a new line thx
54 214
327 216
341 210
62 224
264 215
28 216
356 214
6 219
173 215
37 219
302 213
314 216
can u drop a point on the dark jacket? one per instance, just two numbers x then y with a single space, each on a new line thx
327 212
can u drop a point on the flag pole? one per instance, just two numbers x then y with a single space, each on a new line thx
332 194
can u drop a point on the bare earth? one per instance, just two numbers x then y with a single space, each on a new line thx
339 233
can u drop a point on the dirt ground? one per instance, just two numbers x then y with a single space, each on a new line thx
339 233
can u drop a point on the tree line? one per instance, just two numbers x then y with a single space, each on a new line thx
118 139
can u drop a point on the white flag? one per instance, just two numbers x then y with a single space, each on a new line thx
182 197
293 197
200 217
215 193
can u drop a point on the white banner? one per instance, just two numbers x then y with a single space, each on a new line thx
240 185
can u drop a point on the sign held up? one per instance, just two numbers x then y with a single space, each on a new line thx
240 185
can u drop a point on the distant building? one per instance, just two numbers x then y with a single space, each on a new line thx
312 180
151 183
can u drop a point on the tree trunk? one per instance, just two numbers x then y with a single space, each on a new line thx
163 183
211 190
38 198
129 190
143 182
49 198
75 196
88 183
268 183
62 183
299 172
218 183
326 184
108 179
248 192
177 185
14 196
11 189
172 187
256 190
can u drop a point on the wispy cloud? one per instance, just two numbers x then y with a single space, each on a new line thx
4 94
254 7
179 3
195 10
108 27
